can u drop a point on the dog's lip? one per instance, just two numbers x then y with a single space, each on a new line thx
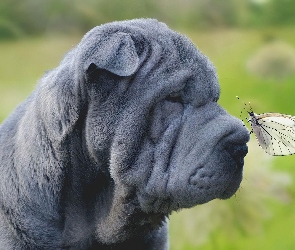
233 185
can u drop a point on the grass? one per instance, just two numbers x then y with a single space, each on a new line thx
23 62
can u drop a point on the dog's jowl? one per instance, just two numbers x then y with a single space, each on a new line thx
124 131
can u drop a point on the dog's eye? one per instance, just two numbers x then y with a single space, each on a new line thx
175 97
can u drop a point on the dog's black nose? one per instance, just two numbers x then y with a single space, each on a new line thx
238 152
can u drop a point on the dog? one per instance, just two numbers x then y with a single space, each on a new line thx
124 131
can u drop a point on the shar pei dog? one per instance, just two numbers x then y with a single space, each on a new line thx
124 131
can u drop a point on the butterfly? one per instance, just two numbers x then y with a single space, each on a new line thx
274 132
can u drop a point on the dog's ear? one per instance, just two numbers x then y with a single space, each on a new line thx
115 53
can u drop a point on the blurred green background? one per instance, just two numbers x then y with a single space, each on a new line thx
251 43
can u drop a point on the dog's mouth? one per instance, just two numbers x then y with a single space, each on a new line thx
204 184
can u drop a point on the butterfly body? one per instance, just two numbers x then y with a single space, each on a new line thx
275 132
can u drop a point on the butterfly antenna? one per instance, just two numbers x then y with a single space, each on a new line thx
250 113
245 108
250 107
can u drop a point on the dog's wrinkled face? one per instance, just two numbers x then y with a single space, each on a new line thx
153 117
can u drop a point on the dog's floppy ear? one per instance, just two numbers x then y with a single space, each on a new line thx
115 53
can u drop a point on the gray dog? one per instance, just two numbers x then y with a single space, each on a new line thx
124 131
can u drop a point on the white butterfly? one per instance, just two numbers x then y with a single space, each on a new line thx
275 132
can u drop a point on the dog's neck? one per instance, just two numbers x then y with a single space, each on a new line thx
126 218
118 220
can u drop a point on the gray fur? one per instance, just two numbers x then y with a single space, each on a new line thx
124 131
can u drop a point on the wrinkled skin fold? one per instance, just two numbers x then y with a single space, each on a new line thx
124 131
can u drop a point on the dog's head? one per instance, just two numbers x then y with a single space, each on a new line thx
153 117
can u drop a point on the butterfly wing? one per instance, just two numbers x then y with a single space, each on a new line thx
275 133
